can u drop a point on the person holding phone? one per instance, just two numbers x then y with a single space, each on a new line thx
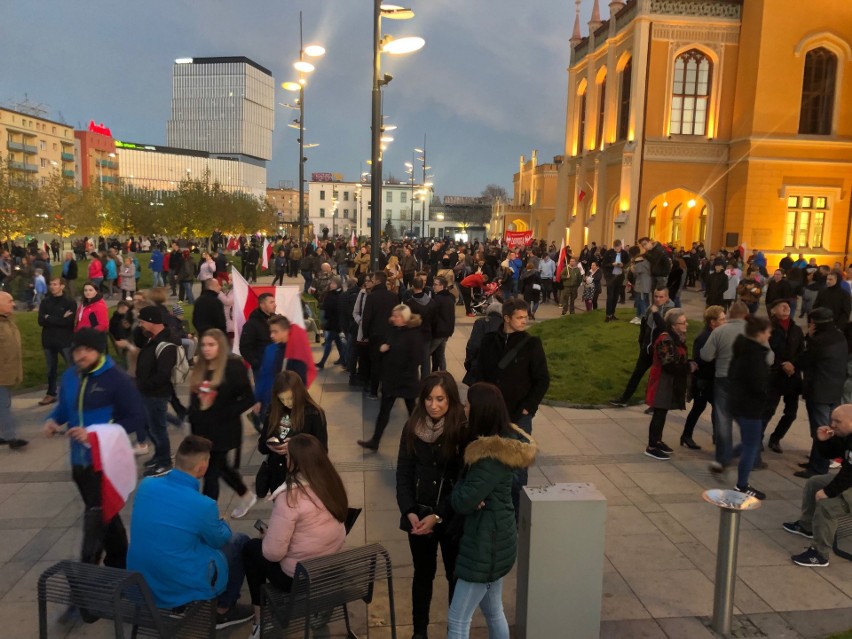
292 411
308 514
429 461
220 392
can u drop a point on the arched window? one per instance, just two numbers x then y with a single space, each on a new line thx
690 93
624 101
676 224
599 135
818 86
652 222
581 123
702 225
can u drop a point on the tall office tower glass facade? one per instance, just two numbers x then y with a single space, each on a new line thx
224 106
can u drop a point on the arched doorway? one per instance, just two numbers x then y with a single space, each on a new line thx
518 225
678 217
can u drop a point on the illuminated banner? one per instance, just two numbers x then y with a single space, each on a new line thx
517 239
99 128
322 177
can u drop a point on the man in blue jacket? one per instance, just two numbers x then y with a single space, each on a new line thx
95 391
185 551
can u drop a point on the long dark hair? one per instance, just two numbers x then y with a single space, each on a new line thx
290 381
309 463
454 421
487 414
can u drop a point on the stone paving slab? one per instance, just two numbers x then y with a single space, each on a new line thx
660 536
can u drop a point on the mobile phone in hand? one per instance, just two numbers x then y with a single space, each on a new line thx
260 526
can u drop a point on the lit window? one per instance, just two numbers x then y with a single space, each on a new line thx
599 140
690 93
702 225
652 222
624 101
806 219
676 224
581 123
818 92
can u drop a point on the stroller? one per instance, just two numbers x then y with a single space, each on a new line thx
483 297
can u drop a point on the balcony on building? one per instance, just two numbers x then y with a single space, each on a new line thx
67 157
69 173
14 146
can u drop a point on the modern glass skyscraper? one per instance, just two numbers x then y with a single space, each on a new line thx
224 106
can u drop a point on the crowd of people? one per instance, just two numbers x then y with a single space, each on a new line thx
462 457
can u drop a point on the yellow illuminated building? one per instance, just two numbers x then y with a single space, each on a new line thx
35 147
725 122
533 203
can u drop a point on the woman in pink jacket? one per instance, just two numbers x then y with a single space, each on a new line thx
307 520
92 312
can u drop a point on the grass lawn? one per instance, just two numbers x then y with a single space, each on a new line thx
589 360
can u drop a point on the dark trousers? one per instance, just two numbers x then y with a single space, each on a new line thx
613 291
251 272
173 281
384 413
362 354
546 290
818 415
156 409
424 556
259 570
99 538
655 428
279 277
333 337
700 400
309 278
643 363
219 467
51 357
375 364
791 410
520 476
293 268
466 297
750 432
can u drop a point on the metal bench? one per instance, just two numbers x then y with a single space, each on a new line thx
843 538
99 592
322 589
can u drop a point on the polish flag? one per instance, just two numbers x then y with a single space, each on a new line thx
742 248
112 456
561 262
353 243
288 302
581 195
266 252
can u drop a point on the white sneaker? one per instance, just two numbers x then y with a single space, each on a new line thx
636 320
246 502
140 449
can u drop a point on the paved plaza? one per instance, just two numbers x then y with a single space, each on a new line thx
660 535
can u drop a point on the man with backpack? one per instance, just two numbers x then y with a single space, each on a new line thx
154 367
651 326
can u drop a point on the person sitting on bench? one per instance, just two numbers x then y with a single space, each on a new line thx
185 551
826 498
307 520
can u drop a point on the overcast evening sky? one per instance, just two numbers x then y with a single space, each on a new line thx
489 85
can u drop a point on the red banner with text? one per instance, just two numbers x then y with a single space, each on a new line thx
517 239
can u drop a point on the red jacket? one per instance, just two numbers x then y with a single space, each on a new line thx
475 280
92 315
96 269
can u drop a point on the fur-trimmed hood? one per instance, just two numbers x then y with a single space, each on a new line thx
512 452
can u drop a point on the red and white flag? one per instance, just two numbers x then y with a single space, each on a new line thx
561 262
112 456
266 252
353 243
288 302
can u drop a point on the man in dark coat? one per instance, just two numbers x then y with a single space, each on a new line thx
444 323
614 263
492 321
348 324
175 264
420 302
823 362
835 299
209 311
514 361
56 317
375 327
255 336
779 288
332 322
785 379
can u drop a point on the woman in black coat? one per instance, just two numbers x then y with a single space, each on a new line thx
530 286
291 411
430 461
220 392
400 363
717 284
748 377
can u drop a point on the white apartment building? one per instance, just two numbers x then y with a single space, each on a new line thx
343 207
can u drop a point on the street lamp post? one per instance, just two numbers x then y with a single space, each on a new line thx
303 67
382 45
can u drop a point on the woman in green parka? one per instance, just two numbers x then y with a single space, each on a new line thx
488 545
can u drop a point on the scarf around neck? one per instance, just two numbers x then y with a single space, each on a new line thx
429 431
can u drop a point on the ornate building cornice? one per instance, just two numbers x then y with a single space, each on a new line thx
730 9
673 150
697 33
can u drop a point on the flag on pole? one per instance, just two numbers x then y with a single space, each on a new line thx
561 262
354 242
265 254
288 302
112 456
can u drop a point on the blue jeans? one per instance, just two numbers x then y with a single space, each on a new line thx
156 408
439 353
158 279
466 598
641 304
818 415
188 297
334 336
51 356
309 278
8 425
724 421
233 552
751 432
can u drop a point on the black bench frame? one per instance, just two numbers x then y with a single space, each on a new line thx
100 592
323 587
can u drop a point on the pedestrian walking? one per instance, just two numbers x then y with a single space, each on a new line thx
11 372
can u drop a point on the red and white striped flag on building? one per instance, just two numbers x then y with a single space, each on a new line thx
112 456
288 302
